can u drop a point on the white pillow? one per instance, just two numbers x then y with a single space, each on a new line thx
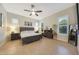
27 32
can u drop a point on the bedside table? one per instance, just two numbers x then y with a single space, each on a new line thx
15 36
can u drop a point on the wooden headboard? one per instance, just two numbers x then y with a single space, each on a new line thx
26 29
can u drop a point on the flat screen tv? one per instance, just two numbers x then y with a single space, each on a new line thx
0 19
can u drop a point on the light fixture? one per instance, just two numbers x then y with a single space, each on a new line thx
12 29
33 13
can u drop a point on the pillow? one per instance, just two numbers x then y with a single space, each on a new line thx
27 32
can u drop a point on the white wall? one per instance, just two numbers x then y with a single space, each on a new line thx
21 19
2 36
3 28
53 19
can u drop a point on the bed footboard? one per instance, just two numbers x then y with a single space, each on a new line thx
31 39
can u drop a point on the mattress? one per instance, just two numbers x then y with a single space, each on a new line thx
28 34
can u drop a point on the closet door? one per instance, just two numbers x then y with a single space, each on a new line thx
78 42
77 9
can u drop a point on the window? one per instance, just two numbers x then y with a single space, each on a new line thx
14 21
63 25
36 26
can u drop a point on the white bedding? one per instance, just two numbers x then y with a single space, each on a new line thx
28 34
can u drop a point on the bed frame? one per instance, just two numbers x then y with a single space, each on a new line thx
29 39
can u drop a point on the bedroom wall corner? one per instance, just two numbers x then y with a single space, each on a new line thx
3 33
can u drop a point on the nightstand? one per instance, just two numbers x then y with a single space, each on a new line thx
15 36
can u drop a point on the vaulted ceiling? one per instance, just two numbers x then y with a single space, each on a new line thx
47 8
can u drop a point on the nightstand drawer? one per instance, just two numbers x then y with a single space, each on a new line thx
15 36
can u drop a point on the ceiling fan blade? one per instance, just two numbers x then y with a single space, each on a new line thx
38 11
27 10
30 14
36 14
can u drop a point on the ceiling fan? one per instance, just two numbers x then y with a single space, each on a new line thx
33 11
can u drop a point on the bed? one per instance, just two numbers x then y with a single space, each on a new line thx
28 35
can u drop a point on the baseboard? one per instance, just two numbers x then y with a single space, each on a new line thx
3 42
62 38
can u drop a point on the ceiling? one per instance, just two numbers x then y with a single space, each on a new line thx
47 8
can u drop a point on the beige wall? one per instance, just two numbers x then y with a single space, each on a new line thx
3 28
21 19
53 19
4 16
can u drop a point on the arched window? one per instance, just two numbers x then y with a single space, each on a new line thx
63 25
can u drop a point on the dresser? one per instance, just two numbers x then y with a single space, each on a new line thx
48 33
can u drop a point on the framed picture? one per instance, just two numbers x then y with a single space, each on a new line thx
27 23
30 23
0 19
